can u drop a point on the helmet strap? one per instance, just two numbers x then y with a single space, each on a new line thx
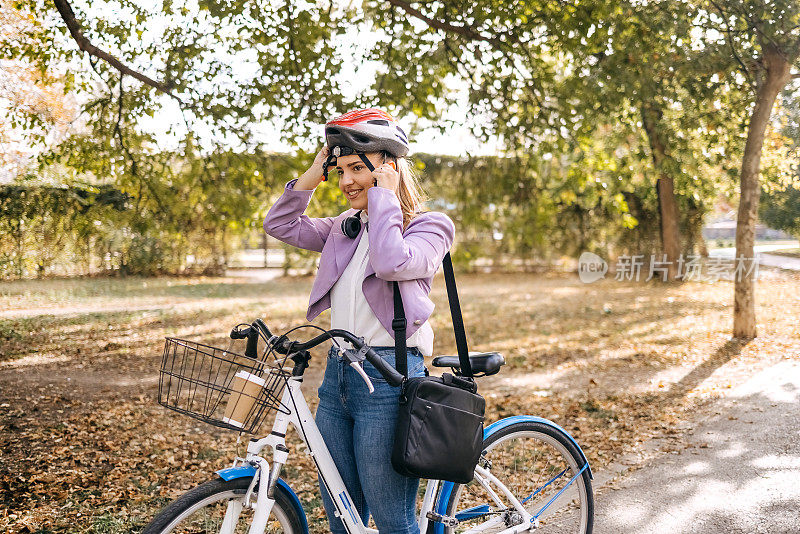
331 158
347 151
366 161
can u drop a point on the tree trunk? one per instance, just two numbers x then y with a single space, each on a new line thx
775 77
225 251
670 235
665 187
20 260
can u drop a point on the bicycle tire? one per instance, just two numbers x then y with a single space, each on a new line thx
206 504
532 448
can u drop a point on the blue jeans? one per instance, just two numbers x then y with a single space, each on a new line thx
358 428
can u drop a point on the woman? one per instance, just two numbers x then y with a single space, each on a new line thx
389 239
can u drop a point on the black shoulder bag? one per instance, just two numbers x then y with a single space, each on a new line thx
439 432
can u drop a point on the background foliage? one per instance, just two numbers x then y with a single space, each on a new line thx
593 103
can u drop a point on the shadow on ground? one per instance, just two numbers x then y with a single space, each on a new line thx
738 475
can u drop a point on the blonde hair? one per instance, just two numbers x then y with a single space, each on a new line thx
409 190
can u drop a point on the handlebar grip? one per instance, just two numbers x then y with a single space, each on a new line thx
261 324
389 373
251 350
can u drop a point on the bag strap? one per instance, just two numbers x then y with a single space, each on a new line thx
399 324
455 313
399 327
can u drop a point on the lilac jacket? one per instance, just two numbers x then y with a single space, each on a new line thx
411 257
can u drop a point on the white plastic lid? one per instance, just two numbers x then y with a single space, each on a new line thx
232 422
250 377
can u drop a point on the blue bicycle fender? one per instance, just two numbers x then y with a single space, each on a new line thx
237 472
447 487
243 471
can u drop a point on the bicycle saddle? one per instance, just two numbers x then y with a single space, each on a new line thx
487 363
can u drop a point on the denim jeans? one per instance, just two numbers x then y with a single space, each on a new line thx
358 429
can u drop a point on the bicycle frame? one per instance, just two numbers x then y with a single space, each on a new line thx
301 418
299 415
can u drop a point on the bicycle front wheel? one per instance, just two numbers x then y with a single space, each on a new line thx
535 465
204 509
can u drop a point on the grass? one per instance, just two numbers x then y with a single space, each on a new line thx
86 448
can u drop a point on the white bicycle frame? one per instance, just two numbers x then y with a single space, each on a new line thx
301 418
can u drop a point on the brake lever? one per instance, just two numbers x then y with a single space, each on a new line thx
357 362
280 344
360 370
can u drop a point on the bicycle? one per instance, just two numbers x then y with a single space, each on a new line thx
532 475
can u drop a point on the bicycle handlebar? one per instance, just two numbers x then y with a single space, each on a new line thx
283 345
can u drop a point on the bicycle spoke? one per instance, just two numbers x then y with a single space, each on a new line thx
545 482
224 514
535 493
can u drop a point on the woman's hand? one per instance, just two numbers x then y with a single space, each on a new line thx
313 176
387 176
320 158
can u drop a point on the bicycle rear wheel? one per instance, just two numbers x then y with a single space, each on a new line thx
203 508
540 467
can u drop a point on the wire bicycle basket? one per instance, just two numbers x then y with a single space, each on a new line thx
221 387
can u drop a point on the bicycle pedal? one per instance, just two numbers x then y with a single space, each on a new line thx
443 519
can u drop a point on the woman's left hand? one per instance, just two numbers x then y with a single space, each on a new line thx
387 176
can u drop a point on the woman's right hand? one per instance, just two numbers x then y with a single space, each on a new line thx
313 176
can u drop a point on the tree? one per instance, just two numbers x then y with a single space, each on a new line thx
230 67
75 227
552 75
764 39
634 64
781 210
553 78
780 207
33 104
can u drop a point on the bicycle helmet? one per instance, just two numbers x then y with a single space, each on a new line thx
363 130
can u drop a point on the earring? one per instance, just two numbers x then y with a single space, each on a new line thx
351 226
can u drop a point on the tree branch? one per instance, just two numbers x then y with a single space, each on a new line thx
298 71
755 27
65 10
134 164
388 52
466 31
751 78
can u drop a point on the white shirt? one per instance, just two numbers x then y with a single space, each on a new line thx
350 309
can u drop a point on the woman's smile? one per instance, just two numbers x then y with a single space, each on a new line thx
353 193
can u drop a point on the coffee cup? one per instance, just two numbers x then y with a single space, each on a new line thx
245 389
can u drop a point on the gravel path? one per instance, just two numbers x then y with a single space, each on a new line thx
740 473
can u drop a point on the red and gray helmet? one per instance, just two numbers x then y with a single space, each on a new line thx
361 131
